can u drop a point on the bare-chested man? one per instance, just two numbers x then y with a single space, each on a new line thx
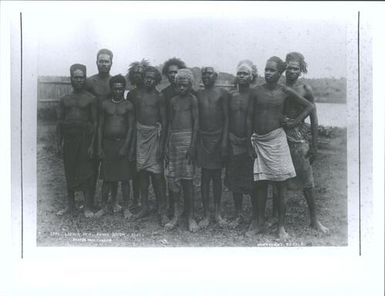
273 161
212 141
182 134
116 123
302 153
170 68
99 86
150 116
136 78
76 130
239 168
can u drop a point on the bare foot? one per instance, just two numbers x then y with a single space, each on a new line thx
252 230
127 214
192 225
282 234
100 213
172 224
221 222
163 220
235 223
116 208
88 213
318 226
142 213
204 223
66 210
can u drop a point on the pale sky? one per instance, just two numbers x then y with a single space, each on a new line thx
204 36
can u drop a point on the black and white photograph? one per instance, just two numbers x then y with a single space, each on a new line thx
190 127
194 132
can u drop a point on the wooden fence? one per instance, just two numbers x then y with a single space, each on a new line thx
51 88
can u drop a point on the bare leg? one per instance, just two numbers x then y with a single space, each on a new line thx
253 227
158 183
261 197
175 196
238 209
282 234
105 192
88 213
144 183
188 189
126 198
217 190
135 191
310 199
205 190
70 207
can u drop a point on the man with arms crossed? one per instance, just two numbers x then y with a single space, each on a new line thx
76 130
116 120
269 145
212 141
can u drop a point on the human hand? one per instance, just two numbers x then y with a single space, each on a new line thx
59 149
91 151
288 122
101 153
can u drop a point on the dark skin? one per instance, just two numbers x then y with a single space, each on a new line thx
149 110
100 88
238 106
265 114
183 115
213 115
293 72
78 107
116 120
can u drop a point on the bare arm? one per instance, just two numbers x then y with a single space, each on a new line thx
225 106
100 131
195 116
59 135
162 112
94 122
313 122
249 121
302 101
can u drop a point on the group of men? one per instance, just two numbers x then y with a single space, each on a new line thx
257 134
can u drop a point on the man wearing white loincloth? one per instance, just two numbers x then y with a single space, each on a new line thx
268 143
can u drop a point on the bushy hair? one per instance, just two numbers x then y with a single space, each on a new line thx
131 69
297 57
118 79
105 51
75 67
173 61
151 69
280 64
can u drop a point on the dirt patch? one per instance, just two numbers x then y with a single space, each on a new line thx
330 174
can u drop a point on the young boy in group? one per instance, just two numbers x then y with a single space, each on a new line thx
150 116
269 145
180 152
212 142
239 169
116 122
76 130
